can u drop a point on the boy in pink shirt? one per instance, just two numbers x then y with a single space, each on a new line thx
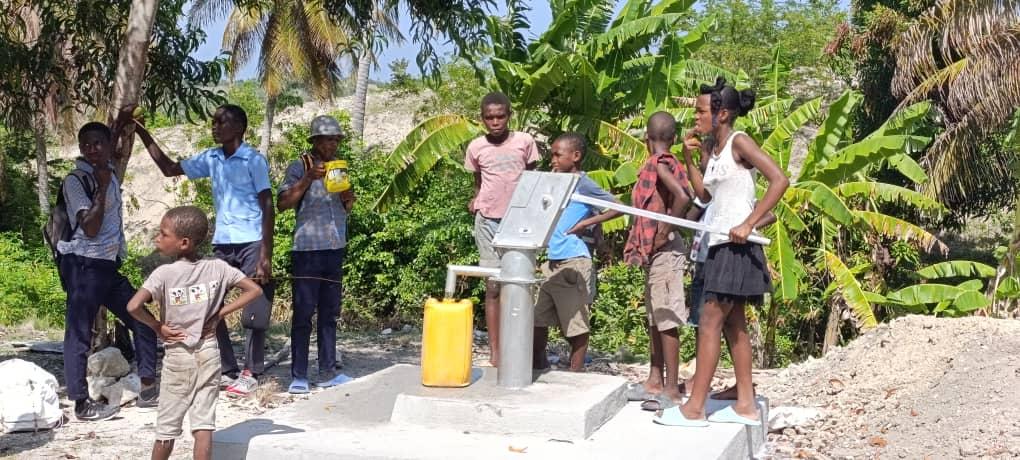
497 159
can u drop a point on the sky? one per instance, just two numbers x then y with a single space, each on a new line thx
539 16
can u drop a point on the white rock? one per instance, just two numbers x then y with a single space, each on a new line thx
124 390
387 331
406 328
788 416
108 363
97 384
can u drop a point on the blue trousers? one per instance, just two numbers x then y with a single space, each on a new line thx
89 284
317 287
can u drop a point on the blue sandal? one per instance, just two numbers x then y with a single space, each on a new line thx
673 417
728 415
298 387
338 379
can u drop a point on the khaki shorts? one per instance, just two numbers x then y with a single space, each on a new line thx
664 289
190 385
484 232
564 296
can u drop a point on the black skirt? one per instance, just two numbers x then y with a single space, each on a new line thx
737 272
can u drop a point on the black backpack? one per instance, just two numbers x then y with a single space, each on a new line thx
58 226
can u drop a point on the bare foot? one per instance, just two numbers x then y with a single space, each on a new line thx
749 411
675 396
653 388
729 394
692 414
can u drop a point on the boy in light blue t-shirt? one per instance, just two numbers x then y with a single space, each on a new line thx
565 296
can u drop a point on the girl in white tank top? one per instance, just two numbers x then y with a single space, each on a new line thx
736 272
732 188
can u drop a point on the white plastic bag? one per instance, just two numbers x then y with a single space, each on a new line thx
28 397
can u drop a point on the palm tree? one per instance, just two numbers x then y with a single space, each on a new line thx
380 29
297 41
961 54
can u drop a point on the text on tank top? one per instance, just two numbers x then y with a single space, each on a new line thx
733 191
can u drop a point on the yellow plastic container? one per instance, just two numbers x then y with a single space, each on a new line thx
446 343
336 176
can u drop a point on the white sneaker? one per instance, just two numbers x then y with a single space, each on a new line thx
243 386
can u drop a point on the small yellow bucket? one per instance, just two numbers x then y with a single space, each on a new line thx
336 176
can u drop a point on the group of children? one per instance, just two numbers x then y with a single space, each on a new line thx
191 291
730 273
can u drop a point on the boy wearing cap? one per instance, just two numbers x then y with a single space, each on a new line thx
243 236
320 239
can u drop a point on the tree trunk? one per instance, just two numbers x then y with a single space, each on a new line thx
832 327
127 86
757 338
127 89
267 126
41 170
1007 268
3 176
360 95
771 323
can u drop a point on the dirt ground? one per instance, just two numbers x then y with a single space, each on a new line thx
130 434
917 388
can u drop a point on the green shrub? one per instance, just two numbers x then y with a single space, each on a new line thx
618 314
30 285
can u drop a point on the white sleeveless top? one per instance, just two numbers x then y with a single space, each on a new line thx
733 192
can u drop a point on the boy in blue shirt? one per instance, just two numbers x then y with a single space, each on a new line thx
565 296
243 238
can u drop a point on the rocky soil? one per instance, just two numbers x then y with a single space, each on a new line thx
919 388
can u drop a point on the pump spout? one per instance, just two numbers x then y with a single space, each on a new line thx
453 271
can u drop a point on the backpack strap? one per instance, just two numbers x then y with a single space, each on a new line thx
86 186
308 163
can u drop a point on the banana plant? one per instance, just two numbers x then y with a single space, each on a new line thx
944 299
833 200
589 69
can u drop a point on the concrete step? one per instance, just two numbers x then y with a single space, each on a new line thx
353 421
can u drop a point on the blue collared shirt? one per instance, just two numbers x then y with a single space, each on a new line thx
109 243
236 183
321 216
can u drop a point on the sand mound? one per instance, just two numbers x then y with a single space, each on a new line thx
918 387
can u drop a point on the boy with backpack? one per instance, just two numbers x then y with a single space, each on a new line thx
189 292
320 241
87 234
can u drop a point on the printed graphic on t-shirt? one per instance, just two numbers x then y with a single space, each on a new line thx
178 297
214 287
197 293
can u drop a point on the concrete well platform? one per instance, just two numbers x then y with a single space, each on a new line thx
558 405
353 421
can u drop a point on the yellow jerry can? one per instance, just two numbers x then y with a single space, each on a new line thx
446 343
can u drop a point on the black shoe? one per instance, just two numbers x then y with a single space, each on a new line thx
89 410
148 398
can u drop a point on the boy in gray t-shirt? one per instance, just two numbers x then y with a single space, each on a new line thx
189 292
